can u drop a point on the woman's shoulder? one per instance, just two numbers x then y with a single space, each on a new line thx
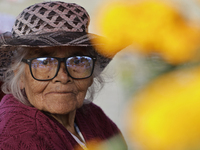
21 124
93 121
15 117
13 111
90 108
25 141
95 116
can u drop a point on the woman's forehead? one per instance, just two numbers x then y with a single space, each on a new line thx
55 51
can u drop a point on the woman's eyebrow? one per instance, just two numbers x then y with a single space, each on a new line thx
80 53
44 53
77 53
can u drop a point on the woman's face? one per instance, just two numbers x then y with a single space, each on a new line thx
62 94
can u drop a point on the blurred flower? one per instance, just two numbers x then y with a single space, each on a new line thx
165 115
151 27
114 23
115 143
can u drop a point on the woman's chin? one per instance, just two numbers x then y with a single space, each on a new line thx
61 106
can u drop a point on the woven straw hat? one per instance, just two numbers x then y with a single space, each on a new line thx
48 24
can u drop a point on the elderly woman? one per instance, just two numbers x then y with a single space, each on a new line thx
49 65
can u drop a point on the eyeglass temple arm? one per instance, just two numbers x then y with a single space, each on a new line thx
26 61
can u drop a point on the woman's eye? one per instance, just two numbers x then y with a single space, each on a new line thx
44 62
76 62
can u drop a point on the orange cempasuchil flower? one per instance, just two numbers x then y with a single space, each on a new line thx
114 143
165 114
151 27
112 23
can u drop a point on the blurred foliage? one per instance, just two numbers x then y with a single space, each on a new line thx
136 70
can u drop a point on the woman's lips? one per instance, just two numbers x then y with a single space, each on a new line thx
60 92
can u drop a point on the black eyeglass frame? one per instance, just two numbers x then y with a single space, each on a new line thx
29 61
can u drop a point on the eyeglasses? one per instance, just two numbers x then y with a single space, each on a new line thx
46 68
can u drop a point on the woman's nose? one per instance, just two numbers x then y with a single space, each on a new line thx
62 75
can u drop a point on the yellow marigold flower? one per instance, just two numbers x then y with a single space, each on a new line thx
151 27
114 143
113 22
165 115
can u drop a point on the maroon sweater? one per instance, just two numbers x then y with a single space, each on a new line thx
26 128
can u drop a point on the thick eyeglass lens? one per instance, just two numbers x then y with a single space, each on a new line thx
44 67
79 66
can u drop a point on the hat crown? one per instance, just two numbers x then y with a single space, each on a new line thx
51 17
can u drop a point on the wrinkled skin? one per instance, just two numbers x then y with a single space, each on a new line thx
60 96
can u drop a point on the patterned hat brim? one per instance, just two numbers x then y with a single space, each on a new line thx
9 44
50 39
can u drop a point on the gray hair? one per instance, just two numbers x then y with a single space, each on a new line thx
16 69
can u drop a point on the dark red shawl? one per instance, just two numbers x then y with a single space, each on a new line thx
26 128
